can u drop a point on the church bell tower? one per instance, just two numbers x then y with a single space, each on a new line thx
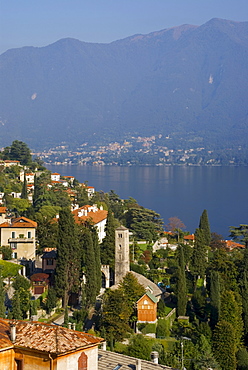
122 262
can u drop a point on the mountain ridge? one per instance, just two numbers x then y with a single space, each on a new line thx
184 80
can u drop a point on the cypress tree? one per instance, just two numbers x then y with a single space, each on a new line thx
24 193
244 294
199 256
2 296
96 248
231 311
204 226
68 257
16 307
224 346
181 284
214 298
108 243
90 269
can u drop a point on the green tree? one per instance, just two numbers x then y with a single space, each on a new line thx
24 193
6 252
181 284
18 151
51 299
131 289
96 248
144 223
214 298
199 256
242 359
224 346
140 347
91 286
204 358
231 311
2 295
244 294
205 227
240 233
108 243
16 307
66 317
68 257
22 286
115 315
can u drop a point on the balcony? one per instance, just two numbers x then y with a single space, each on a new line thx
21 240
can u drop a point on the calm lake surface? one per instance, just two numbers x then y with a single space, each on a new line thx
176 191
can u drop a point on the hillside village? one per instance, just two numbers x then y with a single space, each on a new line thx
106 270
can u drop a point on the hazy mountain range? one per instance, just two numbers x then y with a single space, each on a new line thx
190 82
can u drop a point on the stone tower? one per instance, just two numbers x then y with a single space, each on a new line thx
122 263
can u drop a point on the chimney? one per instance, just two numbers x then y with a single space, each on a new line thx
73 326
13 332
104 346
154 357
69 325
138 364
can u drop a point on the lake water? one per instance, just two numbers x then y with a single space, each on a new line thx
176 191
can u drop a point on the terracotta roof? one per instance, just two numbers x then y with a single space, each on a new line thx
110 360
94 217
55 173
40 276
231 244
44 337
20 222
189 237
10 161
3 209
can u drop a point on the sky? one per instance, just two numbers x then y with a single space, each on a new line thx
42 22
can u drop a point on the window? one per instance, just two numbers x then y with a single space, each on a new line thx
13 234
13 245
82 362
19 364
49 262
119 235
29 234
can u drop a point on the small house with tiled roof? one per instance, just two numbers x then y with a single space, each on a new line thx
3 212
19 234
189 239
55 176
94 216
147 308
39 282
33 345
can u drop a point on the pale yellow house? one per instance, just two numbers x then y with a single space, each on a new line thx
19 234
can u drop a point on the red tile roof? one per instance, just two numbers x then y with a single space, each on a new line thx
44 337
3 209
230 244
92 217
20 222
189 237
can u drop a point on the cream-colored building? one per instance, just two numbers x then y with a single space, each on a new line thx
19 234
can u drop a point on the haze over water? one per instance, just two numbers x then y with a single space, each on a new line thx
176 191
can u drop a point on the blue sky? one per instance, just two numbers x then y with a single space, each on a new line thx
42 22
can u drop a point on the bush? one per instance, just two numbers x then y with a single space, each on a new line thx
7 252
163 328
149 328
